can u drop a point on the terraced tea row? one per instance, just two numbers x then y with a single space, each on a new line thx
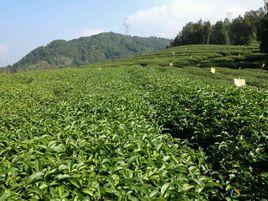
106 133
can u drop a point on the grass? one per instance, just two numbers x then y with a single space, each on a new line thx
127 130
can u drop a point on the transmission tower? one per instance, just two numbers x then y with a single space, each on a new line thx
127 25
229 16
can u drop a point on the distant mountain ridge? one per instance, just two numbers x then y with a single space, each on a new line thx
86 50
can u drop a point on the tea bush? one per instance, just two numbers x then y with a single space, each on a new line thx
138 130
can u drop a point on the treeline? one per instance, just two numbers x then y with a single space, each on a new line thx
243 30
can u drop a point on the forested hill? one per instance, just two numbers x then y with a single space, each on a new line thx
85 50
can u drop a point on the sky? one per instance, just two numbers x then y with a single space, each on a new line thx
28 24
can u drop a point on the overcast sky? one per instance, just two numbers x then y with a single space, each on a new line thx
27 24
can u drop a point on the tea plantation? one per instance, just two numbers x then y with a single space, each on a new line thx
136 129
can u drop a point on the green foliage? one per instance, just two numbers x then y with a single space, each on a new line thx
101 47
263 33
240 31
90 134
194 33
135 129
219 120
243 30
236 57
220 33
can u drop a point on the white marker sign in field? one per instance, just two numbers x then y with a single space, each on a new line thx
240 82
213 70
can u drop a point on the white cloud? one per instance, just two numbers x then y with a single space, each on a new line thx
3 49
167 20
90 32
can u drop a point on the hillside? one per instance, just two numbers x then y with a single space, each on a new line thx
137 129
230 61
228 56
85 50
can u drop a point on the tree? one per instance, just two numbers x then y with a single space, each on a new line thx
220 33
240 31
207 30
194 33
243 29
101 47
263 31
253 19
263 34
